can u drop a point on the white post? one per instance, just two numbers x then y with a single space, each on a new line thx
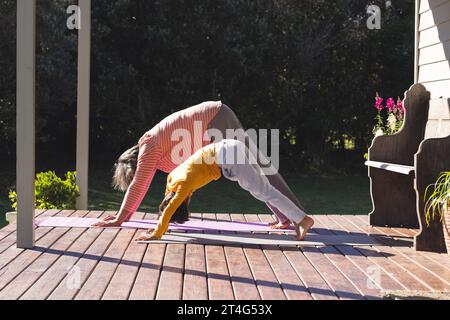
25 99
84 76
416 41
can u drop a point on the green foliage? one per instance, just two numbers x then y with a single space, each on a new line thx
306 67
437 201
52 192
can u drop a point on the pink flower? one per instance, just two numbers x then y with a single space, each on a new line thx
390 104
399 106
378 102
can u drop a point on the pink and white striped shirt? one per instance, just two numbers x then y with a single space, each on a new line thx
183 130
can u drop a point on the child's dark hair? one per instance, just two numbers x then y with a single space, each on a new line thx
181 214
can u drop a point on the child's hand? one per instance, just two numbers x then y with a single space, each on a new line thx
149 235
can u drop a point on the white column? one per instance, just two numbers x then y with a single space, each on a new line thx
416 41
25 99
84 77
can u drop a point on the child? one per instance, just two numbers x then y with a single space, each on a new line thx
232 159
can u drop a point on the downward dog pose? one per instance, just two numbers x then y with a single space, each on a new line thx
135 168
231 159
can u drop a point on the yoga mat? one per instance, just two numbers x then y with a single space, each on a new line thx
196 237
266 239
191 225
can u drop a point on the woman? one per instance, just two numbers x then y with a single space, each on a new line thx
232 159
135 168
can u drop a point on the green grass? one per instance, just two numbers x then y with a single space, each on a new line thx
318 194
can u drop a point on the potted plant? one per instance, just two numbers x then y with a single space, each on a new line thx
438 203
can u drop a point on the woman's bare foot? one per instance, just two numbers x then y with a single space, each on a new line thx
303 227
280 225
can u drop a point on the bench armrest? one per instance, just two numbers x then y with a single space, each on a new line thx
433 156
401 147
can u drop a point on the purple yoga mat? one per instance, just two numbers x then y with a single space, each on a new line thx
191 225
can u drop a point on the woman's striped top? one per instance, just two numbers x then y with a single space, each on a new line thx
166 146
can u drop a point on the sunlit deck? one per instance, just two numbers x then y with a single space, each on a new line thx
76 263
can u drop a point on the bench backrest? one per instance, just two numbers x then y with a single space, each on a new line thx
438 124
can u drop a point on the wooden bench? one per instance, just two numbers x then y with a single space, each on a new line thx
402 165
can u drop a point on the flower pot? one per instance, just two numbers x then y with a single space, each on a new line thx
446 226
11 217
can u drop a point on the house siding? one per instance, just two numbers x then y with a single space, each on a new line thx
434 47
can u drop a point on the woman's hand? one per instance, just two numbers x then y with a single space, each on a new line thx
148 235
109 217
112 220
107 223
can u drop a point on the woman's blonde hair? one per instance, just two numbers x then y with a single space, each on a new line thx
124 169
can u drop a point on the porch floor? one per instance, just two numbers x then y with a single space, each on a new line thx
76 263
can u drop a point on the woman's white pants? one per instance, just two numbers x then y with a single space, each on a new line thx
238 165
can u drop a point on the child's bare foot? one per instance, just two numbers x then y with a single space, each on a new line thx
280 225
303 227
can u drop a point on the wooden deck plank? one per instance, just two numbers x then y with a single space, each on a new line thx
267 283
320 227
438 269
335 279
313 280
419 267
35 270
182 271
340 284
8 243
26 257
12 227
442 258
244 286
66 289
146 284
171 280
433 267
292 285
195 283
219 281
383 279
95 285
325 222
383 259
123 279
170 286
44 286
420 272
10 239
365 285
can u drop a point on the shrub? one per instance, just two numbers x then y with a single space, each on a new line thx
52 192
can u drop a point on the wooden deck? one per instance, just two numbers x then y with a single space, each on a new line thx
106 264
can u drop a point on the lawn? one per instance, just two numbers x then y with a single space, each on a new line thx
318 194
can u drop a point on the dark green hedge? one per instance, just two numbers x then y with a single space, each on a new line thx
310 68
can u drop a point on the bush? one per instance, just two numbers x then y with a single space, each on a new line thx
52 192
